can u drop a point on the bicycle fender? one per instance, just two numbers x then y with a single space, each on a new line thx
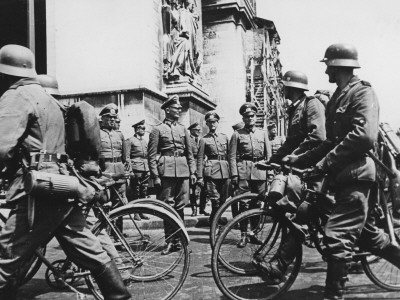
156 208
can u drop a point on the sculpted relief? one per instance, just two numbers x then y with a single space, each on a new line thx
181 56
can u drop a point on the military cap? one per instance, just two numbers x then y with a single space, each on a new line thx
247 108
271 124
138 123
237 126
110 110
174 99
194 125
212 116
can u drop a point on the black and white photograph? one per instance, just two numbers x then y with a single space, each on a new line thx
199 149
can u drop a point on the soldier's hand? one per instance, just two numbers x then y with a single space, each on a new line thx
157 182
193 179
290 160
200 182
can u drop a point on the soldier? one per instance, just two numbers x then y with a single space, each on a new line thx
306 130
214 173
136 155
196 191
112 152
50 85
276 141
352 121
171 172
32 136
248 146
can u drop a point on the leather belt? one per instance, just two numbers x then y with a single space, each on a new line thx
216 157
176 153
251 158
111 159
48 157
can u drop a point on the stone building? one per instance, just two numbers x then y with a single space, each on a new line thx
215 54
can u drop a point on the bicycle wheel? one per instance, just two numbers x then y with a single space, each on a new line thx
381 272
218 223
241 280
146 273
32 265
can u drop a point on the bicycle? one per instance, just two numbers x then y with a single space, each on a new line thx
218 223
150 275
246 282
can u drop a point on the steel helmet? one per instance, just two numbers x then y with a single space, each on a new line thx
49 83
341 55
17 61
295 79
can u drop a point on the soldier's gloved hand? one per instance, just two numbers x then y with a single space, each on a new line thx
200 182
290 160
235 181
193 179
157 182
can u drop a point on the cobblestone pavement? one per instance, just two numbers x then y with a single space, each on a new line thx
200 284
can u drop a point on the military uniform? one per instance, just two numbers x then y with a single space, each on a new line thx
213 166
306 128
31 121
136 153
175 165
112 157
352 131
246 147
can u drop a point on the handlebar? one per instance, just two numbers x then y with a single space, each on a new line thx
305 174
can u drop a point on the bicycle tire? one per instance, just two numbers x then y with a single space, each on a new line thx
216 224
153 276
376 268
32 265
157 203
252 284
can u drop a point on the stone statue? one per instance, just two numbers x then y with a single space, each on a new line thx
170 18
185 60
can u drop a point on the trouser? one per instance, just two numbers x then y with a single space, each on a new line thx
139 184
195 193
174 192
217 191
349 223
252 186
54 217
103 237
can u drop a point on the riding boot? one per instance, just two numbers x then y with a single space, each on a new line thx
110 283
194 211
391 253
214 209
277 266
243 238
336 277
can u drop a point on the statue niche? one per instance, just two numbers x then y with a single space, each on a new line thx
181 57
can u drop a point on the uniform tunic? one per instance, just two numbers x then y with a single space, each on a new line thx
136 153
195 190
112 157
212 164
175 164
30 121
306 128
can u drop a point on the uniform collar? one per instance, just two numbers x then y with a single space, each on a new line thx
137 136
352 82
169 122
298 101
107 130
24 81
252 130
